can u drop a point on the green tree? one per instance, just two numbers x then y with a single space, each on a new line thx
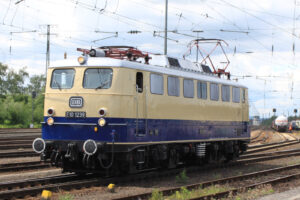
37 83
3 73
15 81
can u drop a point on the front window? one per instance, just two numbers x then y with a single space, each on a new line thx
62 78
97 78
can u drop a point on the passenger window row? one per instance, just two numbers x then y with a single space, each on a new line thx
157 87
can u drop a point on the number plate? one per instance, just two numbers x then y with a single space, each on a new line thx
70 114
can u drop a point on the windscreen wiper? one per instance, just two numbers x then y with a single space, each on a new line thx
101 85
57 84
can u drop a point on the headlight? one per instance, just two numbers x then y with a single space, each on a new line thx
50 112
101 122
102 112
50 121
82 60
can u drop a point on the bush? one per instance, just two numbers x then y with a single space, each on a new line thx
16 111
156 195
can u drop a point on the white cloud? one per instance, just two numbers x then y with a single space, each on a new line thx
269 22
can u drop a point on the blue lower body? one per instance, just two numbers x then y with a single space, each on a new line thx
150 130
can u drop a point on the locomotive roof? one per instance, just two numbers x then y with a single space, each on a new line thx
111 62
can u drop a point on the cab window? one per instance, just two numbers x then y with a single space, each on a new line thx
97 78
62 78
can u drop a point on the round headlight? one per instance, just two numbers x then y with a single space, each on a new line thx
50 112
50 121
81 60
102 112
101 122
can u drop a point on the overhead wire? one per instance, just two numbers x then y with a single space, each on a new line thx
259 18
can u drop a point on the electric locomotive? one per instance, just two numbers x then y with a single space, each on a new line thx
118 110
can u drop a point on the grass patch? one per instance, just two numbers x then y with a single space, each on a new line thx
157 195
66 197
184 193
182 177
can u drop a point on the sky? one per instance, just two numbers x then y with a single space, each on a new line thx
263 37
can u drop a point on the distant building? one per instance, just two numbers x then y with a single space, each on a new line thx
256 121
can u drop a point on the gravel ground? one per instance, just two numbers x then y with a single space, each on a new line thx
148 186
287 195
271 136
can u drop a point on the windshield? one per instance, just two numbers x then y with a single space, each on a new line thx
62 78
97 78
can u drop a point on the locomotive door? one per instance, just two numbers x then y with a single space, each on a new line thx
244 108
140 105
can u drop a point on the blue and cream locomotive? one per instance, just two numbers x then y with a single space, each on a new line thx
117 110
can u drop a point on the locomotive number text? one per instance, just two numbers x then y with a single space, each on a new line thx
70 114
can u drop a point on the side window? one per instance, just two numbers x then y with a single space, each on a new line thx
214 92
236 94
173 86
243 95
139 82
156 84
188 88
202 90
225 93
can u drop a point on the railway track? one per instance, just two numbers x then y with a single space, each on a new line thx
168 192
271 146
19 138
258 155
23 166
30 153
19 189
18 141
255 139
19 130
25 153
15 146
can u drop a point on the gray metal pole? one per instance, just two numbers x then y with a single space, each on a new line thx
48 48
166 28
197 47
